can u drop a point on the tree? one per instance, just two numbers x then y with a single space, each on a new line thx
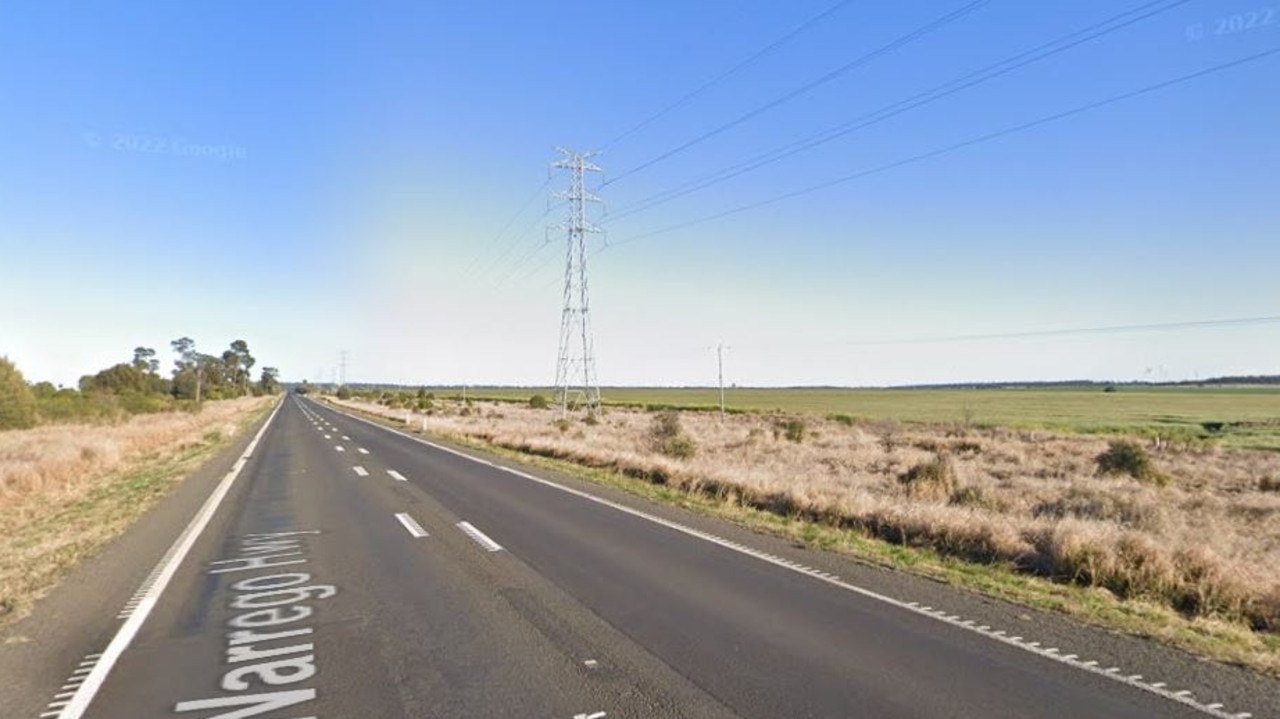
186 349
144 358
270 380
117 379
17 403
242 364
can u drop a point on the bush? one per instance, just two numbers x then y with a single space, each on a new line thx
667 436
1269 484
934 479
537 402
793 430
17 403
344 392
845 419
1125 457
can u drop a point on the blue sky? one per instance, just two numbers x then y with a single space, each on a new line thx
320 176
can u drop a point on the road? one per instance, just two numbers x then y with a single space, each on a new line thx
342 569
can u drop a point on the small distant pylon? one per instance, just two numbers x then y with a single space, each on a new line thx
575 365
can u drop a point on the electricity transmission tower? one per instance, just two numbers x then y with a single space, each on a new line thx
575 364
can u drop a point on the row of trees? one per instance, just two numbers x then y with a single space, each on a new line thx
136 386
196 375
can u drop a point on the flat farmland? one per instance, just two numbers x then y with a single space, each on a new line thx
1236 416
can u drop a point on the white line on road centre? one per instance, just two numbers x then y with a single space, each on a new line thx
339 447
1183 697
177 552
480 537
396 475
360 471
414 528
362 450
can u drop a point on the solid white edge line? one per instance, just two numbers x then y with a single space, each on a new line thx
412 526
1181 697
177 552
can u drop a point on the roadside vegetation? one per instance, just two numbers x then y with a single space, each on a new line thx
134 387
79 465
1180 538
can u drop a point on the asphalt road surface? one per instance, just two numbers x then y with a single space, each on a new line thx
341 569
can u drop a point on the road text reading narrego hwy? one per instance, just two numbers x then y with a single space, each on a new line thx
260 653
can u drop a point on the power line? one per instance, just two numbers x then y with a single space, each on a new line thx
498 261
506 226
811 22
1112 329
812 84
951 87
957 146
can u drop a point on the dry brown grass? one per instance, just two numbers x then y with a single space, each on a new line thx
1207 544
65 490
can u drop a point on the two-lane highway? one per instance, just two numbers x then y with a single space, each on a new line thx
354 571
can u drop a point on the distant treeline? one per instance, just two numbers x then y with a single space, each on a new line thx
135 387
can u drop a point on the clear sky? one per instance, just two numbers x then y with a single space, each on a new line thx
320 176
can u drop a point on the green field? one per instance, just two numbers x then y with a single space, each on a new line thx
1250 416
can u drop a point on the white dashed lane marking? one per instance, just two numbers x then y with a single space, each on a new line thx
480 538
411 525
396 475
362 450
360 471
339 447
1183 697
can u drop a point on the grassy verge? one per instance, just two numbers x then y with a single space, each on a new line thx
1211 638
59 528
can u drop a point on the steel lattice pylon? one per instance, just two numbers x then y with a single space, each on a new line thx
575 364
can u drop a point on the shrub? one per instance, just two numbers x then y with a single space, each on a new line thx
666 436
563 425
537 402
934 479
1125 457
793 430
344 392
17 403
665 425
1269 484
845 419
591 420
